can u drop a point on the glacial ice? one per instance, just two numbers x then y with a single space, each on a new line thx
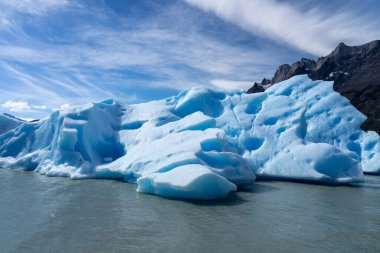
203 143
187 181
8 122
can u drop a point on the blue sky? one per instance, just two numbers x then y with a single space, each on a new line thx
55 53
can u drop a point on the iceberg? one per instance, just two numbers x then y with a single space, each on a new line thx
8 122
202 143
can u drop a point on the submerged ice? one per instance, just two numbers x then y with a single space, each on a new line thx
203 143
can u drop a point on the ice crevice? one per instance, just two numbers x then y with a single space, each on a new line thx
202 143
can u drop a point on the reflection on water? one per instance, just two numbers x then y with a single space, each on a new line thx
41 214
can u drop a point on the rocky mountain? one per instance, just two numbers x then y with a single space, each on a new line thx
355 71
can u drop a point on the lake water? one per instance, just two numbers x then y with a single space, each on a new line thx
42 214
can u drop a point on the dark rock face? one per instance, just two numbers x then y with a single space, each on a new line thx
355 72
256 88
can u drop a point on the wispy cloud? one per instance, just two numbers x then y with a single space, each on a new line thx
21 106
150 48
143 55
34 7
16 106
309 29
56 52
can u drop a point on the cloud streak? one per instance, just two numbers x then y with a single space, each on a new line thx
16 106
309 29
55 52
33 7
99 61
21 106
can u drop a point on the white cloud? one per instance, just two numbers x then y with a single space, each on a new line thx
98 61
170 56
16 106
40 107
34 7
231 85
153 52
22 106
312 31
150 48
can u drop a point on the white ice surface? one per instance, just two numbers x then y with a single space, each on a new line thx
203 143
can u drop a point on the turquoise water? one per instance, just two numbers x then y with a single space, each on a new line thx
42 214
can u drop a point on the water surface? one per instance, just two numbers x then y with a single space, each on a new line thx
42 214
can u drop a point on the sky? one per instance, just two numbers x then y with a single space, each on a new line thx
57 53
